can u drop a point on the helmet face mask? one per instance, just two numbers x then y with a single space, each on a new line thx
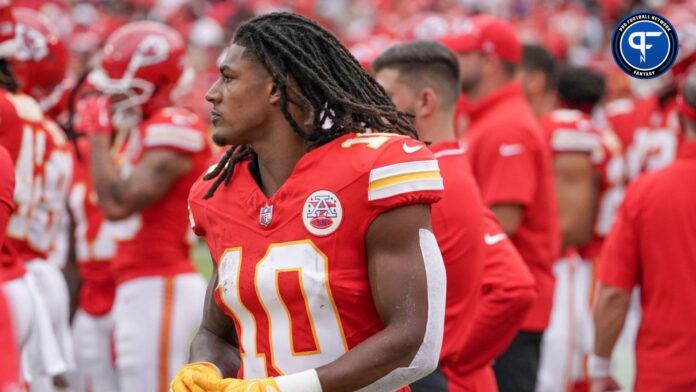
140 68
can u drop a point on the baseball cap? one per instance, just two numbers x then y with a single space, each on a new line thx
489 35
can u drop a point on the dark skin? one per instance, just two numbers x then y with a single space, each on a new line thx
576 190
149 181
245 111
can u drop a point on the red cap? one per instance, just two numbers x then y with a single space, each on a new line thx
488 35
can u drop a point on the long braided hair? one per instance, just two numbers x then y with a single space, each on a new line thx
329 84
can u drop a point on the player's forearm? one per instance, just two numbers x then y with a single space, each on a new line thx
108 184
609 317
392 348
498 319
209 347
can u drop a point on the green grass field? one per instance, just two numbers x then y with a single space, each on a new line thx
201 257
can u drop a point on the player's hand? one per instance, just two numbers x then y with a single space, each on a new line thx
93 116
236 385
184 379
604 384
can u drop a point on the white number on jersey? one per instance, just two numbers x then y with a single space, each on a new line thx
311 265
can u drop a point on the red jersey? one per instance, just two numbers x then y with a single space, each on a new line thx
572 131
93 235
458 226
43 170
293 268
652 244
511 162
7 183
649 133
158 239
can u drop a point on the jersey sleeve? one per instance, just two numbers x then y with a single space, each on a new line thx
175 129
7 182
196 209
404 173
569 139
507 172
11 128
619 263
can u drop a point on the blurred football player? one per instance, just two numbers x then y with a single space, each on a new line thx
589 177
512 166
94 248
494 288
538 73
318 220
160 151
652 246
43 171
9 360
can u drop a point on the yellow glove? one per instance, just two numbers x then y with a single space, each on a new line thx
235 385
184 379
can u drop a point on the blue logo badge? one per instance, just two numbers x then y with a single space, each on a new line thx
645 45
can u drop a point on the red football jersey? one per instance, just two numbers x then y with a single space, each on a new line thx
649 133
572 131
43 170
458 226
7 184
93 235
157 240
293 271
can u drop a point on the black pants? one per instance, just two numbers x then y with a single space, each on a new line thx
516 369
433 382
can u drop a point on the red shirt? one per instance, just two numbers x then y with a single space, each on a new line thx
293 272
43 170
572 131
157 240
457 222
93 235
512 165
506 295
653 245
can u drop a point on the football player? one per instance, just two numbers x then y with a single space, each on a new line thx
589 176
494 288
9 361
160 151
328 276
37 145
94 248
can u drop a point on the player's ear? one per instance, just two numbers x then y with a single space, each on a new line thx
426 102
273 94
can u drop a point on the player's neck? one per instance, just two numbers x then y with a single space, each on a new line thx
277 156
437 128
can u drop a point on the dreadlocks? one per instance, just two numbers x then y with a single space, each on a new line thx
7 78
308 64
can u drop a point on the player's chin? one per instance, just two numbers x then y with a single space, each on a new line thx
220 139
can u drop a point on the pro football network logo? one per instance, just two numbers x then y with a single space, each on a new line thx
322 213
645 45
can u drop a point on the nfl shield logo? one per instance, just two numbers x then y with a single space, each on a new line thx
265 215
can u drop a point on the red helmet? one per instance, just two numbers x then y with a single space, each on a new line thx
144 63
40 62
8 45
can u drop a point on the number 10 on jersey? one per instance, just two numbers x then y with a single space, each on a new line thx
310 266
